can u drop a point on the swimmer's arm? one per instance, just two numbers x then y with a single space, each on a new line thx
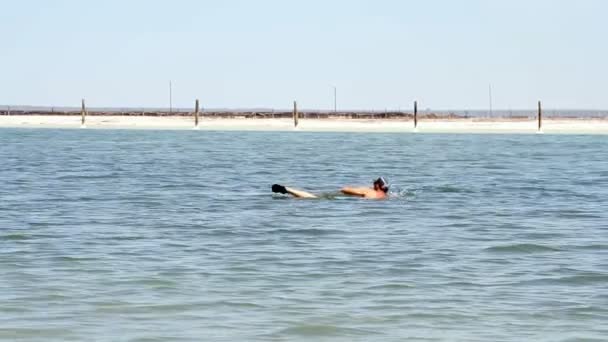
299 193
355 191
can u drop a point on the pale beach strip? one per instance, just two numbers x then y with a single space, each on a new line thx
507 126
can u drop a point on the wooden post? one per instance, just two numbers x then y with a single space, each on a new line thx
8 110
295 114
335 100
540 117
170 98
196 114
83 113
415 114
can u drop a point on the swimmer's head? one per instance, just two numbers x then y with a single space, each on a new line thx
381 184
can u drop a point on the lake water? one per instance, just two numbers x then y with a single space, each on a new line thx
123 235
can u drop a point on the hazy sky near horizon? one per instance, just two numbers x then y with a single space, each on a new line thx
266 53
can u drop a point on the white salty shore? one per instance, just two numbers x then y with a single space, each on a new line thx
505 125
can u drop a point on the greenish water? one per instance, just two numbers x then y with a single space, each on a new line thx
175 236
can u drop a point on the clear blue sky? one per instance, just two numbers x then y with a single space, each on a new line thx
266 53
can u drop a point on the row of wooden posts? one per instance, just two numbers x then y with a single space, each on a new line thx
296 115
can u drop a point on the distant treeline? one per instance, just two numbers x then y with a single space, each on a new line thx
312 114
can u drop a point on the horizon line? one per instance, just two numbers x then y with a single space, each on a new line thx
272 109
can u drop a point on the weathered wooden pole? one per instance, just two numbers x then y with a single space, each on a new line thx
335 100
170 98
196 114
83 114
8 110
415 114
540 117
295 114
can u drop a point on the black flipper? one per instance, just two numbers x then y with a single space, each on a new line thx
278 188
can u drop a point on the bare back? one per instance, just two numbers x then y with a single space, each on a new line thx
364 192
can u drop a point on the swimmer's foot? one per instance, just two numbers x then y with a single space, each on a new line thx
278 188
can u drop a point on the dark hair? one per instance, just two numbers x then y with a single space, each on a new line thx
382 184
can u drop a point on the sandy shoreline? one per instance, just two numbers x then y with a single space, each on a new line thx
550 126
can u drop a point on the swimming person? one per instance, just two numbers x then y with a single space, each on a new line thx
379 190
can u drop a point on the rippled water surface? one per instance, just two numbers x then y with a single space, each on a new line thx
175 236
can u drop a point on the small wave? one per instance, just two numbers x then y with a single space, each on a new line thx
129 308
522 248
391 286
309 231
149 339
456 224
123 238
28 333
28 236
577 214
451 189
584 279
588 278
237 304
588 311
77 177
462 284
70 259
538 235
242 270
592 247
38 224
175 245
319 330
157 283
583 338
15 237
